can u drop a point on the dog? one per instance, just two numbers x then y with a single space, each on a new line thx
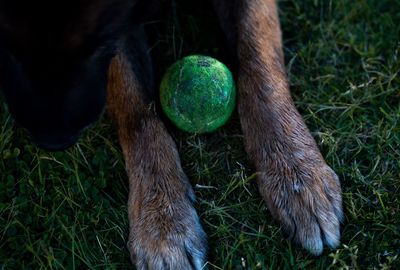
62 62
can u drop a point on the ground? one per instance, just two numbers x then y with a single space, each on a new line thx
67 210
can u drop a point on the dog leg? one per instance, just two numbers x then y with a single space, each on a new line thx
300 189
164 232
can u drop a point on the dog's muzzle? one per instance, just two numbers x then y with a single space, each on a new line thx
55 142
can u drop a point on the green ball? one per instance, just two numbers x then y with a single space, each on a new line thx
198 94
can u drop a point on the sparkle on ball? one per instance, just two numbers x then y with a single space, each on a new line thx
198 94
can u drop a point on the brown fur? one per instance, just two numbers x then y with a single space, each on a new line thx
299 188
297 185
164 228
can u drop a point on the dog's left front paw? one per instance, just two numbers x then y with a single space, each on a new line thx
305 196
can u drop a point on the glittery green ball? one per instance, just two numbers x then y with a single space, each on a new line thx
198 93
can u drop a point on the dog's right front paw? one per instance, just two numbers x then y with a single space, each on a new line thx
167 236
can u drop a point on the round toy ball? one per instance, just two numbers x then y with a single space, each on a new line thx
198 93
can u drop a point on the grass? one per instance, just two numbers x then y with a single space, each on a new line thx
67 210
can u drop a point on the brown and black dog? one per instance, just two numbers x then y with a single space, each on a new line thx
62 61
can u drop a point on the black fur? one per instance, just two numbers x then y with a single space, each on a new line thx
54 56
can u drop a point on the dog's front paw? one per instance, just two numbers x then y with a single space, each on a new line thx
165 235
305 196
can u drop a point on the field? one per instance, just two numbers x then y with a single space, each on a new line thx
67 210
